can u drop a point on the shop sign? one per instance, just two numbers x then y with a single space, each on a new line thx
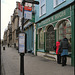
56 17
27 12
21 42
20 8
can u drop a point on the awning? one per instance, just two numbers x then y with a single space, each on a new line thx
28 24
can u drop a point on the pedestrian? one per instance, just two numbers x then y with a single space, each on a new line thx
2 43
58 53
64 47
8 44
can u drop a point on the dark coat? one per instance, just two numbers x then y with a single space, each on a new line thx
64 47
65 44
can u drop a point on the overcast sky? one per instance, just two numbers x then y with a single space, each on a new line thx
7 9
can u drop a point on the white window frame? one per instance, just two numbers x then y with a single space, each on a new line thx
40 7
57 2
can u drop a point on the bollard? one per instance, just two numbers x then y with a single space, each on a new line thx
3 48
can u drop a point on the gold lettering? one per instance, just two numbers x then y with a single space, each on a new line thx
59 15
44 22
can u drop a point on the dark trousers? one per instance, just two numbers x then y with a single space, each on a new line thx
8 45
59 58
64 60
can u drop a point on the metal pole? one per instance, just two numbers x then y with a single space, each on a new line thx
22 54
22 64
23 16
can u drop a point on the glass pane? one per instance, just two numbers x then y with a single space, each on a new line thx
68 36
42 2
68 30
59 1
61 37
41 39
68 24
65 30
60 26
43 10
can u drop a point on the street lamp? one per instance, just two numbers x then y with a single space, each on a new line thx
22 54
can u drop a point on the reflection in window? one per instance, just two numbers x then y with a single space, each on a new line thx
65 30
41 39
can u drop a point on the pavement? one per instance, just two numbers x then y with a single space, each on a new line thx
33 65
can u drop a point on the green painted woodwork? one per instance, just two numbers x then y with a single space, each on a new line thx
73 36
36 44
44 41
66 13
33 19
62 14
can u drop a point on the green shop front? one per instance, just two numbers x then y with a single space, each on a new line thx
54 28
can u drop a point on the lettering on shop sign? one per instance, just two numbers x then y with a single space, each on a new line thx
53 18
61 14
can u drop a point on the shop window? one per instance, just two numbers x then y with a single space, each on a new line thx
65 30
41 39
50 38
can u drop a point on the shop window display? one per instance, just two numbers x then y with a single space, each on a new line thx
65 30
41 39
50 38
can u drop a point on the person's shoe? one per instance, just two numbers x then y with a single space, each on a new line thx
59 63
62 65
65 64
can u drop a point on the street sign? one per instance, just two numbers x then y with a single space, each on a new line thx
20 13
21 42
20 7
27 12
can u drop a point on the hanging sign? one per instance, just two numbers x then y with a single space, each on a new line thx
21 42
27 12
20 8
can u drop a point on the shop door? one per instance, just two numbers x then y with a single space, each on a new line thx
50 38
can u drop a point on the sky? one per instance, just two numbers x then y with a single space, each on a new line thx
7 9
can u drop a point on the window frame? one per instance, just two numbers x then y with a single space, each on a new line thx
41 31
56 3
40 8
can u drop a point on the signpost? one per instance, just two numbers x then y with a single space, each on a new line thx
23 36
21 50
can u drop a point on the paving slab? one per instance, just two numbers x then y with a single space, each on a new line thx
33 65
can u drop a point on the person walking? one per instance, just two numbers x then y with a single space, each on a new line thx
58 54
8 44
64 47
